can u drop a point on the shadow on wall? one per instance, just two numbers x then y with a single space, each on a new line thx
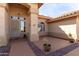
65 31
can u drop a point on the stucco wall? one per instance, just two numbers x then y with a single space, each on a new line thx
63 27
3 25
17 10
46 27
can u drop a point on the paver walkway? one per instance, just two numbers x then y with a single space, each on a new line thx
20 48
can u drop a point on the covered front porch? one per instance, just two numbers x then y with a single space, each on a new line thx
17 21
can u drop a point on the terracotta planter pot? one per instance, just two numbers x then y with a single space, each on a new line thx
47 47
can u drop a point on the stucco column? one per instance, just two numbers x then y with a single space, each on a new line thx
77 27
34 36
3 24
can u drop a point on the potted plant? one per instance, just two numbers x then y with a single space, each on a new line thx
71 38
47 47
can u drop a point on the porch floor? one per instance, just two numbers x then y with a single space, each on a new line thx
59 47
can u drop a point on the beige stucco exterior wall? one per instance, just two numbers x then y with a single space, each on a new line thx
43 33
63 27
3 25
77 27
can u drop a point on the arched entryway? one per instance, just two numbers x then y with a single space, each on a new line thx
18 20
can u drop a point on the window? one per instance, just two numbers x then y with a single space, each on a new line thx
14 17
21 22
17 18
22 26
41 25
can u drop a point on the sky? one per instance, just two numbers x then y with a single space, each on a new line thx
56 9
